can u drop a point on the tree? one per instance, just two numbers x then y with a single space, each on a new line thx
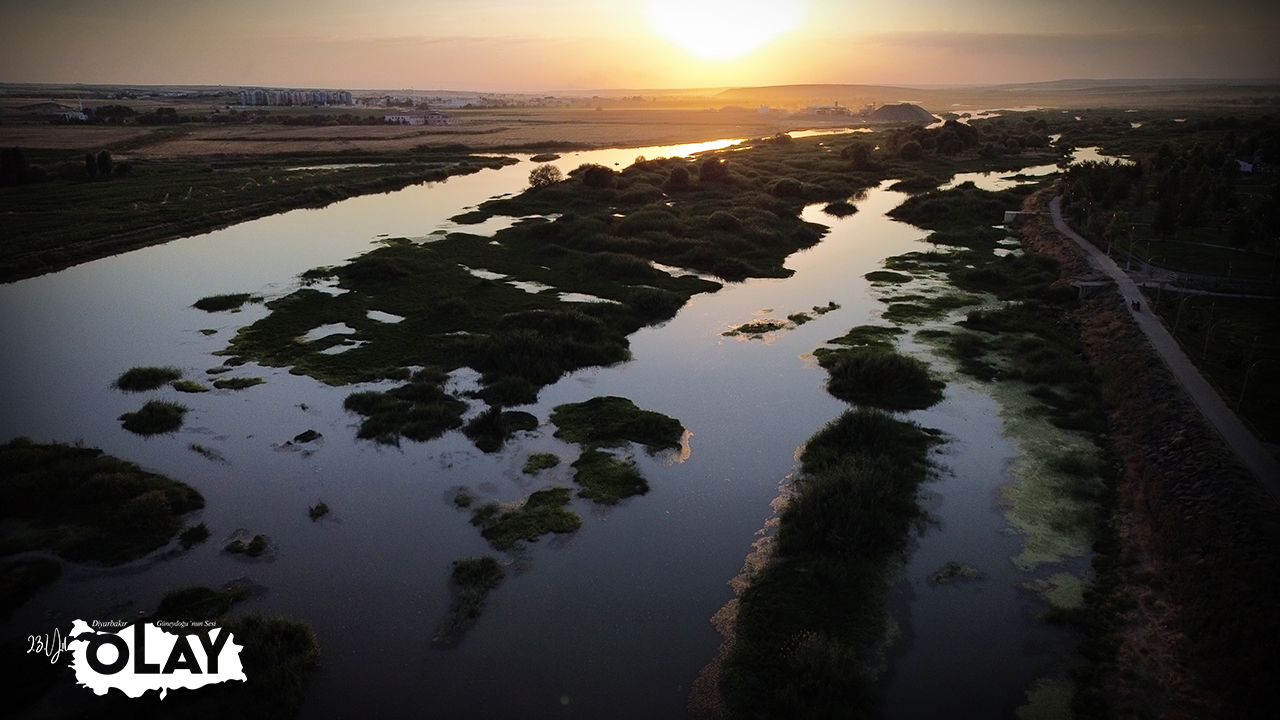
911 151
545 175
104 163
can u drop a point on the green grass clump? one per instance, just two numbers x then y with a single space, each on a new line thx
84 505
887 276
420 410
871 336
609 421
809 624
253 548
607 479
223 303
756 328
476 576
541 513
154 418
473 578
490 429
278 658
538 462
188 386
880 378
317 511
199 603
238 383
193 536
21 579
140 379
463 499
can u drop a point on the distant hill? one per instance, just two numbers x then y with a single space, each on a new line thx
902 113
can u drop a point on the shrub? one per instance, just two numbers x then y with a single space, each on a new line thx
545 175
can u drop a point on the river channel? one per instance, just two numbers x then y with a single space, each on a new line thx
611 621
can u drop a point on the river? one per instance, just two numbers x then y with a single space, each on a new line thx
612 621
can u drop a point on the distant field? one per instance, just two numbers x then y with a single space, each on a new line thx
477 129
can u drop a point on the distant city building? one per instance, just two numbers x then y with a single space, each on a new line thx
258 97
75 116
827 109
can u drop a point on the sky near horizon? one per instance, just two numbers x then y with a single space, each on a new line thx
524 45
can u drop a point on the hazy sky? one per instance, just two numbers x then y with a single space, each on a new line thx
523 45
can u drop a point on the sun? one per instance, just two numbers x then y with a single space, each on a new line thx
723 29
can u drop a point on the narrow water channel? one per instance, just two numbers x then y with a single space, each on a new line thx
612 621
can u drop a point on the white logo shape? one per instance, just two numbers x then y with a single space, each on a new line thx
143 657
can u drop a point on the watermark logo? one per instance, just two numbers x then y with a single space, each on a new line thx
143 656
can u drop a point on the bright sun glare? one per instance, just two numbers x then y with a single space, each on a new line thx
723 29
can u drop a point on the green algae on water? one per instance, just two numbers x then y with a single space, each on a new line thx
188 386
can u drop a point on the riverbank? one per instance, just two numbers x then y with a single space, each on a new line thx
62 222
1186 578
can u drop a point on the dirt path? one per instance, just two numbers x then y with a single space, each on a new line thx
1246 447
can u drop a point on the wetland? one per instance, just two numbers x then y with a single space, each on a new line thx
540 418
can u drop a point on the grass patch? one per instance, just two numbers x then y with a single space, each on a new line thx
193 536
810 623
141 379
84 505
613 421
490 429
200 603
887 276
607 479
317 511
419 410
463 499
238 383
879 377
188 386
869 336
473 578
840 209
927 308
224 303
154 418
756 328
541 513
476 576
538 462
254 548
